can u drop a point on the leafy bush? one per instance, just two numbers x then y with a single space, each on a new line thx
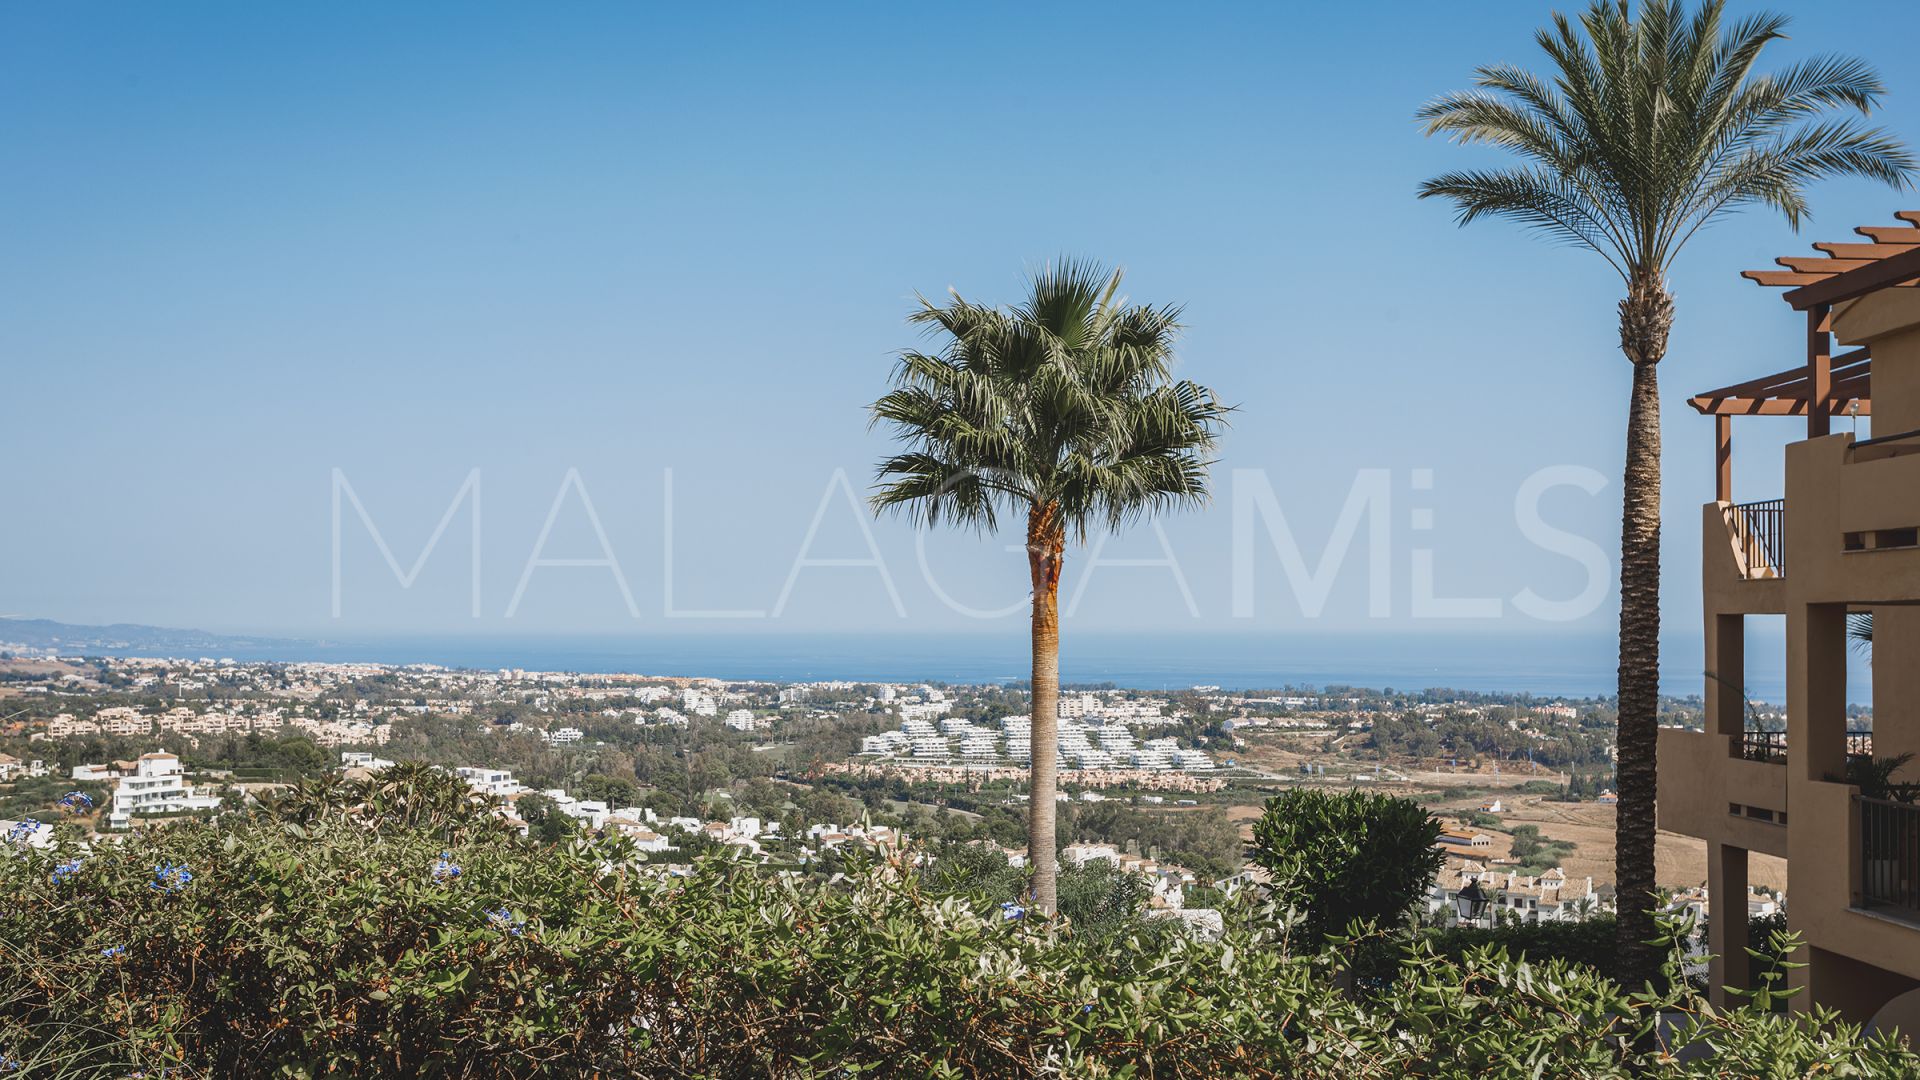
1589 943
372 945
1342 856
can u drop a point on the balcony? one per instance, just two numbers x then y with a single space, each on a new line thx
1885 446
1890 857
1771 746
1763 745
1759 533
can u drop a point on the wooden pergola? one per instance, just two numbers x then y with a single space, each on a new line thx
1826 385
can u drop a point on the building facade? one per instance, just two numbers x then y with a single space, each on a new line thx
1842 546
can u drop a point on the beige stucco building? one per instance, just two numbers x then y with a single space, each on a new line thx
1845 539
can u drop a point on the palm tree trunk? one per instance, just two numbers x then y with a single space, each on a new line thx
1046 544
1646 315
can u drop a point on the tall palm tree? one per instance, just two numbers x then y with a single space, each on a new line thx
1065 409
1648 129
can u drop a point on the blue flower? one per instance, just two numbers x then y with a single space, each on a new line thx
8 1064
445 869
76 801
23 830
115 952
168 877
503 920
65 870
1010 911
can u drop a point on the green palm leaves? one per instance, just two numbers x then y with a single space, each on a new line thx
1652 127
1066 401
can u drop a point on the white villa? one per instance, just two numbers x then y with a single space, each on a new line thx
155 786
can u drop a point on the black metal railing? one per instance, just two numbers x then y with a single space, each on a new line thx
1895 445
1763 745
1761 530
1890 855
1860 744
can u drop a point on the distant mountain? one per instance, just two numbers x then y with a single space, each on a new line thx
122 637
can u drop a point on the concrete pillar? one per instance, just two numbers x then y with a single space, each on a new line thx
1896 682
1817 689
1727 922
1819 370
1727 674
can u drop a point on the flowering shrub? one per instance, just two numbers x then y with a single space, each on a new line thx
324 949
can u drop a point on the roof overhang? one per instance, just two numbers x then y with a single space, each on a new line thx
1790 392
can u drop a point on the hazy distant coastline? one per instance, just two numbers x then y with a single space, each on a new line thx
1542 665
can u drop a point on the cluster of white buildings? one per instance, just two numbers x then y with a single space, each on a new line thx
12 768
1510 896
153 784
637 823
128 722
1081 746
1169 882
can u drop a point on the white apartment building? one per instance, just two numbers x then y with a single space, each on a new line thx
923 710
1196 760
699 702
741 720
980 743
157 786
1076 706
563 736
123 720
887 743
491 782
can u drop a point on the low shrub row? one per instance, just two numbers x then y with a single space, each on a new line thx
343 948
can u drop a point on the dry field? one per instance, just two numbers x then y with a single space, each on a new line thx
1680 861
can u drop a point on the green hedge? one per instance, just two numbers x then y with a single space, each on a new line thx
350 947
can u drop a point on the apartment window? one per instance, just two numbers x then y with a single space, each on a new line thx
1899 538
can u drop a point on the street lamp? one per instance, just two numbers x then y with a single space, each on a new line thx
1471 903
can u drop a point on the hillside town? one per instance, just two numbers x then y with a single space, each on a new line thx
154 740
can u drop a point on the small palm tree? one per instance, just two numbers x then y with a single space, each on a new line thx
1649 129
1860 630
1063 409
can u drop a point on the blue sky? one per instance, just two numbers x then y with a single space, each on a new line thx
245 246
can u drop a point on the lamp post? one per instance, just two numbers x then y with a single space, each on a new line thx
1471 903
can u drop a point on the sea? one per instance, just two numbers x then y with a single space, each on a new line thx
1541 665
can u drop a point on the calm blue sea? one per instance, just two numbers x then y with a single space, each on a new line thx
1542 664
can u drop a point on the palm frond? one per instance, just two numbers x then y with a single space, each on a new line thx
1065 401
1652 125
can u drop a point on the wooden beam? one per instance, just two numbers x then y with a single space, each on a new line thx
1839 406
1819 370
1911 216
1815 264
1890 271
1723 458
1862 251
1783 277
1890 234
1792 382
